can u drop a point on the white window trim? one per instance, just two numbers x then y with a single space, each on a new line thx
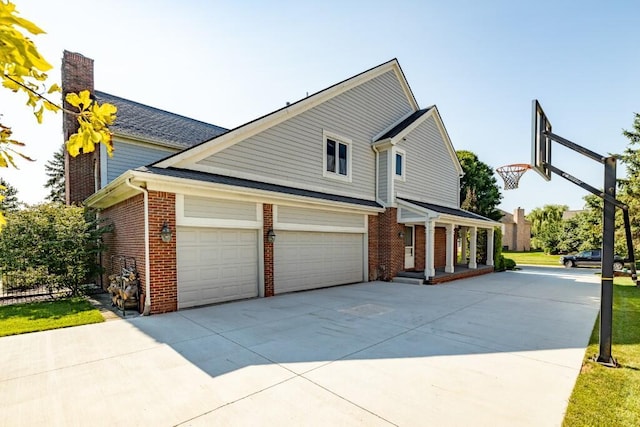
403 154
342 140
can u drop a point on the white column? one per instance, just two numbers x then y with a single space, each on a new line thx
490 246
474 248
450 241
429 244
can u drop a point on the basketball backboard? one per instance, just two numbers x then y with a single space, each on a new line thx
540 143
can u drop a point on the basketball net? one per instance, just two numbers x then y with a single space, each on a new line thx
511 174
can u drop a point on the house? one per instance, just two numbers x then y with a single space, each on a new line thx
353 183
516 231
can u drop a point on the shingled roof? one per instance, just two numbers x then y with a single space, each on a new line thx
137 120
446 210
256 185
403 124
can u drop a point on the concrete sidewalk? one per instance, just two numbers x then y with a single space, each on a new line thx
501 350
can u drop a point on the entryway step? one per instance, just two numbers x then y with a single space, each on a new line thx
409 280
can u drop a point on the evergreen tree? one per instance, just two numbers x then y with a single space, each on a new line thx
55 171
10 203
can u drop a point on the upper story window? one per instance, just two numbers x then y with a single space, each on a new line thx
337 157
399 164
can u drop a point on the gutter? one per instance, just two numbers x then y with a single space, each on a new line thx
147 263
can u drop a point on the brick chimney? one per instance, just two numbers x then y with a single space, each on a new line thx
81 173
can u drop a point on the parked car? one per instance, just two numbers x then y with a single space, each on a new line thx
590 258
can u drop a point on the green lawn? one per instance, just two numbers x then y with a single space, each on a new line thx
611 396
533 258
41 316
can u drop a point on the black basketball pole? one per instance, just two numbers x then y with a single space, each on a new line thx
606 291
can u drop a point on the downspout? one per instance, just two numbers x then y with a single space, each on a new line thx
147 262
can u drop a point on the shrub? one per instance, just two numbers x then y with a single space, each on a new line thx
509 264
51 245
498 258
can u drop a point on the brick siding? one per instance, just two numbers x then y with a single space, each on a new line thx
390 245
373 247
267 217
127 237
164 278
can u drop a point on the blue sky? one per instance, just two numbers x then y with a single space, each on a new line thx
481 63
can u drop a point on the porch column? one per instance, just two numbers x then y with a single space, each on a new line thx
490 246
450 241
429 244
464 231
474 248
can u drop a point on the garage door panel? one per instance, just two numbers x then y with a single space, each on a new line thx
216 265
308 260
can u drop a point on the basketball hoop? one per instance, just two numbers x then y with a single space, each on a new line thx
511 174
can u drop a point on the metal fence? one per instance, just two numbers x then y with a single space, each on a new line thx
12 294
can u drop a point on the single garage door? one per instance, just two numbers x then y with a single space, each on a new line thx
307 260
215 265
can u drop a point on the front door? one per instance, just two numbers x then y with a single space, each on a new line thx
409 247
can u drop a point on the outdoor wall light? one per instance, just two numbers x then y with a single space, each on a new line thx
271 236
401 234
165 233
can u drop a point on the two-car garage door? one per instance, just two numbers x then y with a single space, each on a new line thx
311 260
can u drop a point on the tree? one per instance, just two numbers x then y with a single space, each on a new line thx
24 70
547 227
479 192
55 171
630 186
9 194
51 244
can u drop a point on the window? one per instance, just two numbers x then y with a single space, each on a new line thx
337 157
399 164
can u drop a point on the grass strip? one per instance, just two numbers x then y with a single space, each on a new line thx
45 315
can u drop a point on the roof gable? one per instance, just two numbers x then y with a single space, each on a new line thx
150 124
221 142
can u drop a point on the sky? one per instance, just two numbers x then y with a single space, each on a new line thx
481 63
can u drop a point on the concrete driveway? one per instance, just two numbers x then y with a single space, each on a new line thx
501 349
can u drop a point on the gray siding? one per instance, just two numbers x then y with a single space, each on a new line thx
293 150
130 156
431 172
295 215
383 176
201 207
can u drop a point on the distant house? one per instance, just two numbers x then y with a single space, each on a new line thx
353 183
566 215
516 231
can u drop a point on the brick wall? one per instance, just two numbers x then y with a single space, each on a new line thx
374 241
267 217
80 171
390 246
440 248
419 247
164 278
127 237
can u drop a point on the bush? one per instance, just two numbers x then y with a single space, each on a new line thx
498 258
50 245
509 264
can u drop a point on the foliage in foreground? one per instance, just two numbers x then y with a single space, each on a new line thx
42 316
50 245
611 396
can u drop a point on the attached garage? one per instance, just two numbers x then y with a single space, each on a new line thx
316 249
217 250
216 265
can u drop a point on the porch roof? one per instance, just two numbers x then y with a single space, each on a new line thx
448 214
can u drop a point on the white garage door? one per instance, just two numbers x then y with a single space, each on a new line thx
306 260
215 265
